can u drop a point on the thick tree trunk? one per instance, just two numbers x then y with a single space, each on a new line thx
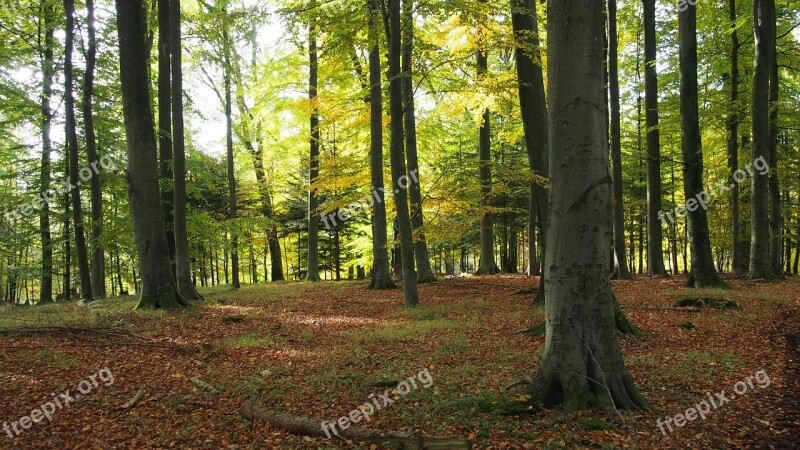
72 145
702 273
533 107
380 258
424 272
655 252
158 285
398 160
312 273
48 72
616 143
763 16
165 123
582 364
183 267
733 143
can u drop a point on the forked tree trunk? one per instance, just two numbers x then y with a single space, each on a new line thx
424 271
582 364
533 106
702 273
381 278
158 285
398 160
655 253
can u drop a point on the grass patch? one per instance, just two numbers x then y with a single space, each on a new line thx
253 340
51 357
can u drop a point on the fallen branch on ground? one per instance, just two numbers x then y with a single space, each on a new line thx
139 395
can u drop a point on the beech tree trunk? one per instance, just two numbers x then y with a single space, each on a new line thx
233 212
655 252
582 365
733 144
165 123
487 264
398 160
533 106
48 72
775 219
764 20
702 273
312 273
381 278
72 145
157 280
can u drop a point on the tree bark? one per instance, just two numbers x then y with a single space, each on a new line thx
733 143
183 266
616 143
157 280
582 364
533 107
760 263
72 144
487 264
381 278
398 160
424 272
165 123
48 72
312 273
655 252
703 273
233 211
775 219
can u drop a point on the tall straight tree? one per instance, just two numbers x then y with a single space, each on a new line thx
157 280
398 159
424 271
233 209
380 259
487 264
581 345
763 23
655 252
734 111
312 273
72 144
48 72
96 193
702 273
775 219
533 106
165 123
183 268
616 143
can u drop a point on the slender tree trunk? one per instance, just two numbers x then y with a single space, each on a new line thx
381 278
165 123
312 274
733 143
398 160
233 212
183 267
487 265
582 365
424 271
702 273
616 144
48 72
775 220
158 285
764 20
655 252
72 144
533 107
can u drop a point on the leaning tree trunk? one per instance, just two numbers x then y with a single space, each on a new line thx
733 144
183 269
157 280
702 273
582 365
487 265
312 273
72 144
655 252
616 143
424 271
48 72
533 106
381 278
763 16
398 160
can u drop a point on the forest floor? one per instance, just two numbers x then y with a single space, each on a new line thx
322 350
